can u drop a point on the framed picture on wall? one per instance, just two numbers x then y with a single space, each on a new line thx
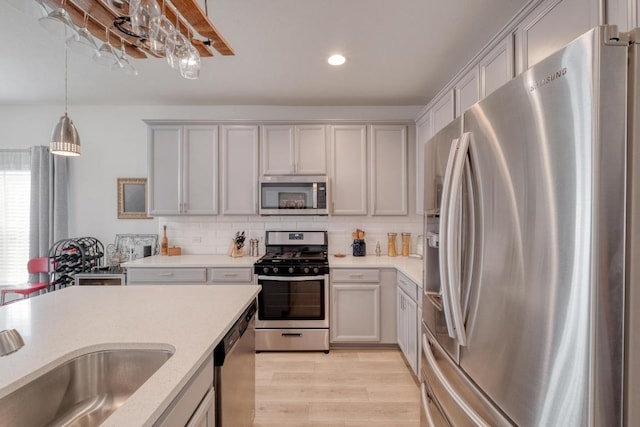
132 198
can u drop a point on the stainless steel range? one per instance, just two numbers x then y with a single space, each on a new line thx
293 305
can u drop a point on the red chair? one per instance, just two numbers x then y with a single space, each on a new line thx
34 266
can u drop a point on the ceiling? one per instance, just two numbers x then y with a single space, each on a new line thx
398 53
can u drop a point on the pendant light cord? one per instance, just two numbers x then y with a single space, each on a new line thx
66 53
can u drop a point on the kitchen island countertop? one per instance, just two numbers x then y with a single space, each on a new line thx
66 323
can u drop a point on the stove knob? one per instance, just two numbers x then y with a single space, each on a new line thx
291 270
316 270
265 270
306 270
275 269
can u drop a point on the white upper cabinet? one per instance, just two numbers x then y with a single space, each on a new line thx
239 169
467 91
388 169
551 26
442 112
310 153
496 68
288 150
182 170
424 132
348 184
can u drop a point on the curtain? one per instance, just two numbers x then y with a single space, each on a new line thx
49 207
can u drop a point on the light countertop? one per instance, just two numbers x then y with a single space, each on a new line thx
411 267
63 324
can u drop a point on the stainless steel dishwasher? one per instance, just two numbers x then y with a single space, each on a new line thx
235 373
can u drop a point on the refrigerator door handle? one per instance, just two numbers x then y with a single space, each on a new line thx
454 262
444 243
434 298
433 365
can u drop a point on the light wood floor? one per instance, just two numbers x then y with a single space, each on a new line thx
345 388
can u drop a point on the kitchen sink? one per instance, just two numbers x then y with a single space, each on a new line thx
83 391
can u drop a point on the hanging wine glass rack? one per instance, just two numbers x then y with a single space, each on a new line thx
71 256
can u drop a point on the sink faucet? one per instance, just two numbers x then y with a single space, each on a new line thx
10 341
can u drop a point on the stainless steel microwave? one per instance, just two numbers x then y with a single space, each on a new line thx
294 195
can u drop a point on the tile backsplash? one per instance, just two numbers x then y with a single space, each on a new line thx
212 235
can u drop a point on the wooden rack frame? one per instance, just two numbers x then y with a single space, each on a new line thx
101 16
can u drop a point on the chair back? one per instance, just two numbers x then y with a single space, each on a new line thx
38 265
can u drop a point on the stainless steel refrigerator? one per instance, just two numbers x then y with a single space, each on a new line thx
530 305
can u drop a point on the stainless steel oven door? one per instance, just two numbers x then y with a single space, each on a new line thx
293 302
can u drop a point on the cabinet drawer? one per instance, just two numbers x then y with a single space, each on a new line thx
166 275
230 274
408 286
355 275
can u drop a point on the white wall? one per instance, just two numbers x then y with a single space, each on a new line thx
114 141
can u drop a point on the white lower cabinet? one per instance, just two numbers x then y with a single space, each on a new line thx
230 276
407 309
356 312
154 276
363 306
195 405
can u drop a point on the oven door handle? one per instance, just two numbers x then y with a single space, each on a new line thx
291 278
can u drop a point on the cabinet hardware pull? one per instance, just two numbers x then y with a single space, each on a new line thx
356 276
291 335
230 274
165 274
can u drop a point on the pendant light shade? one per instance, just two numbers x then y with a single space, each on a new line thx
65 140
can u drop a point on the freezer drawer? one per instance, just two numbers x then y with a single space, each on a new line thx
461 402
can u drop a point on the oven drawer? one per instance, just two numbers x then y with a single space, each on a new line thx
292 339
166 275
369 275
231 274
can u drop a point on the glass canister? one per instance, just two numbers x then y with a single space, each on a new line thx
391 250
406 244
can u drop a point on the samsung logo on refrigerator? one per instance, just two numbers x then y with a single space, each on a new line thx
551 77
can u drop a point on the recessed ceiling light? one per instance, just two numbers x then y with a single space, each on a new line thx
336 60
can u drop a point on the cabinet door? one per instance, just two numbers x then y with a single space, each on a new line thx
424 132
496 68
551 26
164 158
411 342
467 91
388 168
205 414
355 315
277 149
310 150
348 184
443 112
200 184
402 322
239 165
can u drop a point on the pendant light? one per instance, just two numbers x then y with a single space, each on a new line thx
65 140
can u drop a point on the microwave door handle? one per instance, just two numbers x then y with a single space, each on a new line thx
442 251
454 264
315 195
459 400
